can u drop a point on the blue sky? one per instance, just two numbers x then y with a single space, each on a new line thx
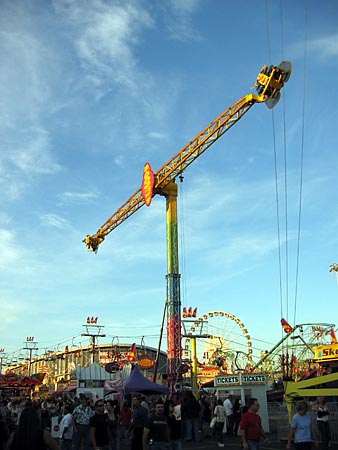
90 91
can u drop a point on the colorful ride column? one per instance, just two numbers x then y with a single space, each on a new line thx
173 301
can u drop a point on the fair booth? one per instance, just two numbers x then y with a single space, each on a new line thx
245 386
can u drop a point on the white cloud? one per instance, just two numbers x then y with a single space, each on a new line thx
5 219
179 20
27 153
32 152
325 47
156 135
251 247
56 221
23 87
77 197
120 160
187 7
105 36
10 186
26 88
10 251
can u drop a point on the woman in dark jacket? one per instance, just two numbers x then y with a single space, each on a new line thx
29 434
113 410
323 422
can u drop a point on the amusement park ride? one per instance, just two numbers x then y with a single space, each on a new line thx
305 360
269 82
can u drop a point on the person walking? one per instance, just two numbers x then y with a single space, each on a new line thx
99 428
81 416
190 410
219 413
206 414
145 404
113 423
251 430
139 417
4 433
45 417
66 429
237 410
301 430
156 430
29 434
125 423
323 423
175 425
14 410
229 412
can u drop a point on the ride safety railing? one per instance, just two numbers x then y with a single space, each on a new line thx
279 422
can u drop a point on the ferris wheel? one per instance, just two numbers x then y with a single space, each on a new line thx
227 344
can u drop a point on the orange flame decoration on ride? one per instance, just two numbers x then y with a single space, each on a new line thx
147 184
333 336
189 313
132 353
286 326
92 319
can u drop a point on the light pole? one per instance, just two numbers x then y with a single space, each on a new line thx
191 314
2 355
30 345
93 331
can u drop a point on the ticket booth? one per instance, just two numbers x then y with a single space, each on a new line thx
245 386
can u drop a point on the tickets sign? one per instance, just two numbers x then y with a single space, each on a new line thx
239 380
227 380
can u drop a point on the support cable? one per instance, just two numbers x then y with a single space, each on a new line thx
181 230
285 178
278 219
301 164
276 172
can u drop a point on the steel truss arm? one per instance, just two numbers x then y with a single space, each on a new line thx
269 82
175 166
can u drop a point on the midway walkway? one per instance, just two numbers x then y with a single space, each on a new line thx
230 443
234 443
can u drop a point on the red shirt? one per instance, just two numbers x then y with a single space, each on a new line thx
252 425
125 416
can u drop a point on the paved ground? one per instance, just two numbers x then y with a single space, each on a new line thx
232 443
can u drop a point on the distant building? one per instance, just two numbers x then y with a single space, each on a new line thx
60 368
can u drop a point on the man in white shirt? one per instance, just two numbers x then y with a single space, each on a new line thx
229 414
66 429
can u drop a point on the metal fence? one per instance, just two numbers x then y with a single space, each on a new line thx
279 422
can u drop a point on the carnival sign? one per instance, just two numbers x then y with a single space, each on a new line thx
241 379
146 362
326 352
113 367
113 385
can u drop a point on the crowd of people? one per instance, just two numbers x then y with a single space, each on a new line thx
138 424
105 424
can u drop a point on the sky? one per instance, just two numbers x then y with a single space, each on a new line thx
91 91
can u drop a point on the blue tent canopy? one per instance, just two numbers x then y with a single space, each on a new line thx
136 382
